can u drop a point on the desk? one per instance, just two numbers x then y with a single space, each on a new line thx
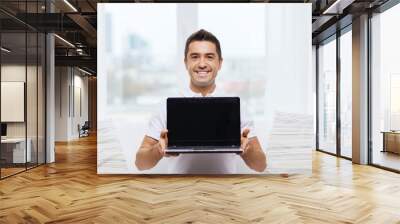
391 141
15 148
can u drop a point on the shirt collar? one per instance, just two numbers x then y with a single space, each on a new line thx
187 92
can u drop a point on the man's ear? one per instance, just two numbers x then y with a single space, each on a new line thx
185 61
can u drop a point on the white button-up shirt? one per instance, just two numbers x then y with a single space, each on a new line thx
199 163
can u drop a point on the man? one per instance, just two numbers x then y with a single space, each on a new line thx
203 60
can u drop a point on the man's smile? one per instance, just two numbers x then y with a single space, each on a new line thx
202 73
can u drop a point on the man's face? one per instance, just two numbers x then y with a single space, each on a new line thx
203 63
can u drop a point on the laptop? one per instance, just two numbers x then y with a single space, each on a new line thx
203 125
3 131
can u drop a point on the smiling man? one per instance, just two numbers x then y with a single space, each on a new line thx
203 60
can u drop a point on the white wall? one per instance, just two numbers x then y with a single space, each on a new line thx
61 103
12 100
80 109
33 126
12 73
70 83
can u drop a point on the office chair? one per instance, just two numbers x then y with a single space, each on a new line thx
84 130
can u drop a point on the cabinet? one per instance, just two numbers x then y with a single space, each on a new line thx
391 141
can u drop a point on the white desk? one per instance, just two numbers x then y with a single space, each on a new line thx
18 150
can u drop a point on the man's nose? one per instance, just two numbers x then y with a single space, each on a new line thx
202 63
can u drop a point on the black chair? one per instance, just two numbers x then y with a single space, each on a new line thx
84 130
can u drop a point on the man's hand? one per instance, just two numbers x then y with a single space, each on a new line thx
163 143
151 151
244 141
252 154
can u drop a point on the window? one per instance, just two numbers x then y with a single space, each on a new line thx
386 88
346 94
327 96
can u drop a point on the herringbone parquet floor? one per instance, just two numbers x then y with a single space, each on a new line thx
70 191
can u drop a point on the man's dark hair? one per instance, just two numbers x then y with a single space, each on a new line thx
203 35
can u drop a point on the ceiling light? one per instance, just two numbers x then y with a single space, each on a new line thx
64 40
329 9
70 5
5 50
337 7
84 71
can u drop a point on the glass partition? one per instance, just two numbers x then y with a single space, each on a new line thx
32 86
13 105
41 109
22 88
327 96
31 100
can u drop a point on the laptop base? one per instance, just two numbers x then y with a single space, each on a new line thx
202 150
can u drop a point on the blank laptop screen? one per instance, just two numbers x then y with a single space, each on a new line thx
203 121
3 129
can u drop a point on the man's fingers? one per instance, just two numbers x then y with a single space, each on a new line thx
164 133
171 154
244 140
244 144
161 150
244 147
245 132
163 141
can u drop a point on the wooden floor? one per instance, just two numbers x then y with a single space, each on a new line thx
10 171
387 159
70 191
